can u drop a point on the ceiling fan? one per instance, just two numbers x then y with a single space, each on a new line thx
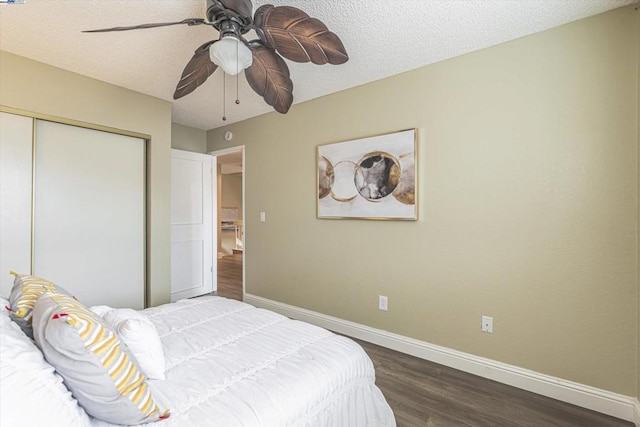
283 31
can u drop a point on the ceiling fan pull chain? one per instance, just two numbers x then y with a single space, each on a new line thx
238 74
224 97
237 91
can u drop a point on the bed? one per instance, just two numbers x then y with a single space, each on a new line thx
226 363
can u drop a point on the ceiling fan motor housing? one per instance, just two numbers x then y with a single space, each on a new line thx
236 11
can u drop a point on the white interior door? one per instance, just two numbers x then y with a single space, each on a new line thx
193 264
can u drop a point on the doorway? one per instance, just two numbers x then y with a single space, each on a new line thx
230 224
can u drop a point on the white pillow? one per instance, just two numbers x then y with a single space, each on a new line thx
139 334
32 394
101 310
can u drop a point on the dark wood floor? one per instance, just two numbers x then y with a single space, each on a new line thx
425 394
230 276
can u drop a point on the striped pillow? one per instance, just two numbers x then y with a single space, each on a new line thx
100 372
24 294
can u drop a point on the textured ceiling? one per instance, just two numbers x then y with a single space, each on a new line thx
382 37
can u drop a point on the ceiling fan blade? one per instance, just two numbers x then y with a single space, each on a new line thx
297 36
269 77
189 21
197 71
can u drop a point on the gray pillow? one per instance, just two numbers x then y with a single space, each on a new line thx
97 368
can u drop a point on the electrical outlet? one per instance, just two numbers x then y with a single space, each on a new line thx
263 216
383 302
487 324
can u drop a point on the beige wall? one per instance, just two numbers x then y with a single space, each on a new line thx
528 169
229 195
188 138
42 89
232 192
638 174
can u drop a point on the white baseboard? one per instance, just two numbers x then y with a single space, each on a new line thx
606 402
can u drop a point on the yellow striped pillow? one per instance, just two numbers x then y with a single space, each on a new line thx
24 294
26 291
97 368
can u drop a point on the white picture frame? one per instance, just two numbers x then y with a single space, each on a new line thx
369 178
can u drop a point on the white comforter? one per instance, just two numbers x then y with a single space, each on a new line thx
231 364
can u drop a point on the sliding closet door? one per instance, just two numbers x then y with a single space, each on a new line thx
15 197
89 227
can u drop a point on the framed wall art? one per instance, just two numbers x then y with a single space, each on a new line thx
369 178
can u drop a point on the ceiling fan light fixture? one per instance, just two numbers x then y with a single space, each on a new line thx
231 54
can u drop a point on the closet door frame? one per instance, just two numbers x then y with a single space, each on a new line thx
16 157
92 126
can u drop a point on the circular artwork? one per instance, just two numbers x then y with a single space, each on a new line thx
405 192
377 175
326 177
342 188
